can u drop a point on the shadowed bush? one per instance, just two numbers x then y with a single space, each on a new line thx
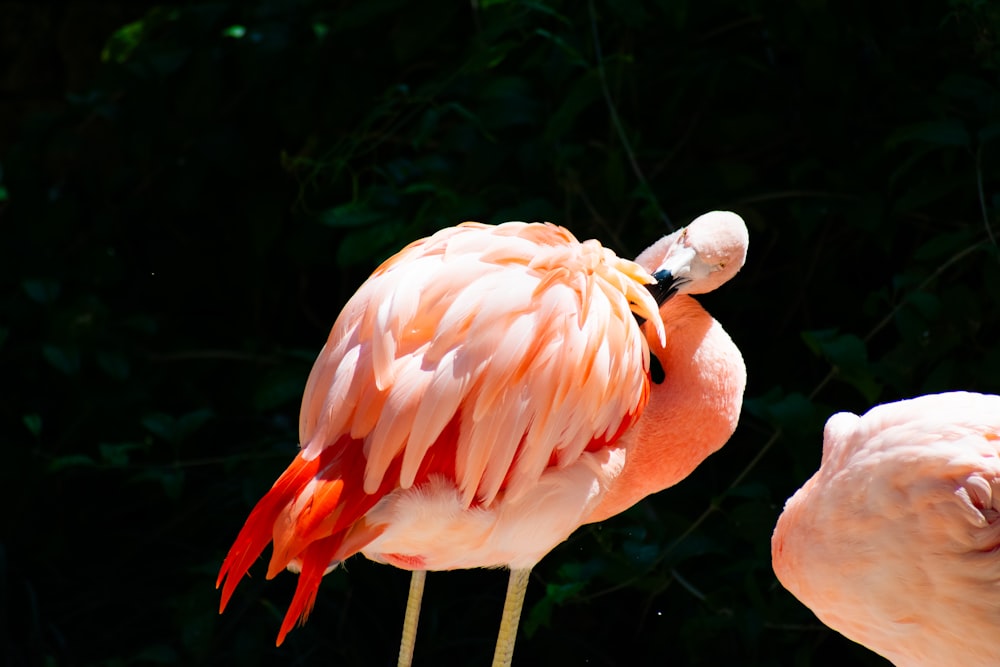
189 194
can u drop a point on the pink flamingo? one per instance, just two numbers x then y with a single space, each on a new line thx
485 392
895 541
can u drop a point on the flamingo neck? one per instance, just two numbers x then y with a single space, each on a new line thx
691 414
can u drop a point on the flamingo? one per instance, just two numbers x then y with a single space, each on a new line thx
895 541
487 391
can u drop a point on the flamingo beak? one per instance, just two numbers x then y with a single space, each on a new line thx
665 287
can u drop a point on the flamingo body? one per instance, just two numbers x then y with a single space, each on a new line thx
477 400
895 541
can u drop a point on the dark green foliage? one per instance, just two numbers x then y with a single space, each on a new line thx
188 194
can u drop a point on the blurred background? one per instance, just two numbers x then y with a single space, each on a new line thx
189 193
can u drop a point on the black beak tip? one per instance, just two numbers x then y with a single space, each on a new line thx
664 287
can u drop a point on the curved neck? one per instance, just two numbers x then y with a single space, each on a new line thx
691 414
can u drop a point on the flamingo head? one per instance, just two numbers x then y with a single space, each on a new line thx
698 258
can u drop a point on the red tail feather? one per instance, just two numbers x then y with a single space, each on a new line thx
258 529
315 559
309 502
312 515
315 513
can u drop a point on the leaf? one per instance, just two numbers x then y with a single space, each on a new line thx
614 176
71 461
235 31
967 88
584 92
752 490
157 654
793 411
33 422
170 479
988 133
530 210
118 454
142 323
508 101
849 356
676 12
949 132
175 429
545 9
931 192
279 388
368 243
945 245
632 14
320 30
42 290
114 364
541 613
168 61
574 56
586 571
161 425
352 214
65 359
123 42
928 304
839 349
641 553
188 423
424 188
910 324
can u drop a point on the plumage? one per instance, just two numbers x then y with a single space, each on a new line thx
895 541
478 397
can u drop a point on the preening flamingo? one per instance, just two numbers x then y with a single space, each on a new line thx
486 391
895 541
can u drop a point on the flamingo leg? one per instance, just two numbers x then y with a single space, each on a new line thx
409 639
516 587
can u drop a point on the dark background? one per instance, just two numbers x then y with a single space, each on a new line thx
189 193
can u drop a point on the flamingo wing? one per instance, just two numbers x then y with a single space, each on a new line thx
483 354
